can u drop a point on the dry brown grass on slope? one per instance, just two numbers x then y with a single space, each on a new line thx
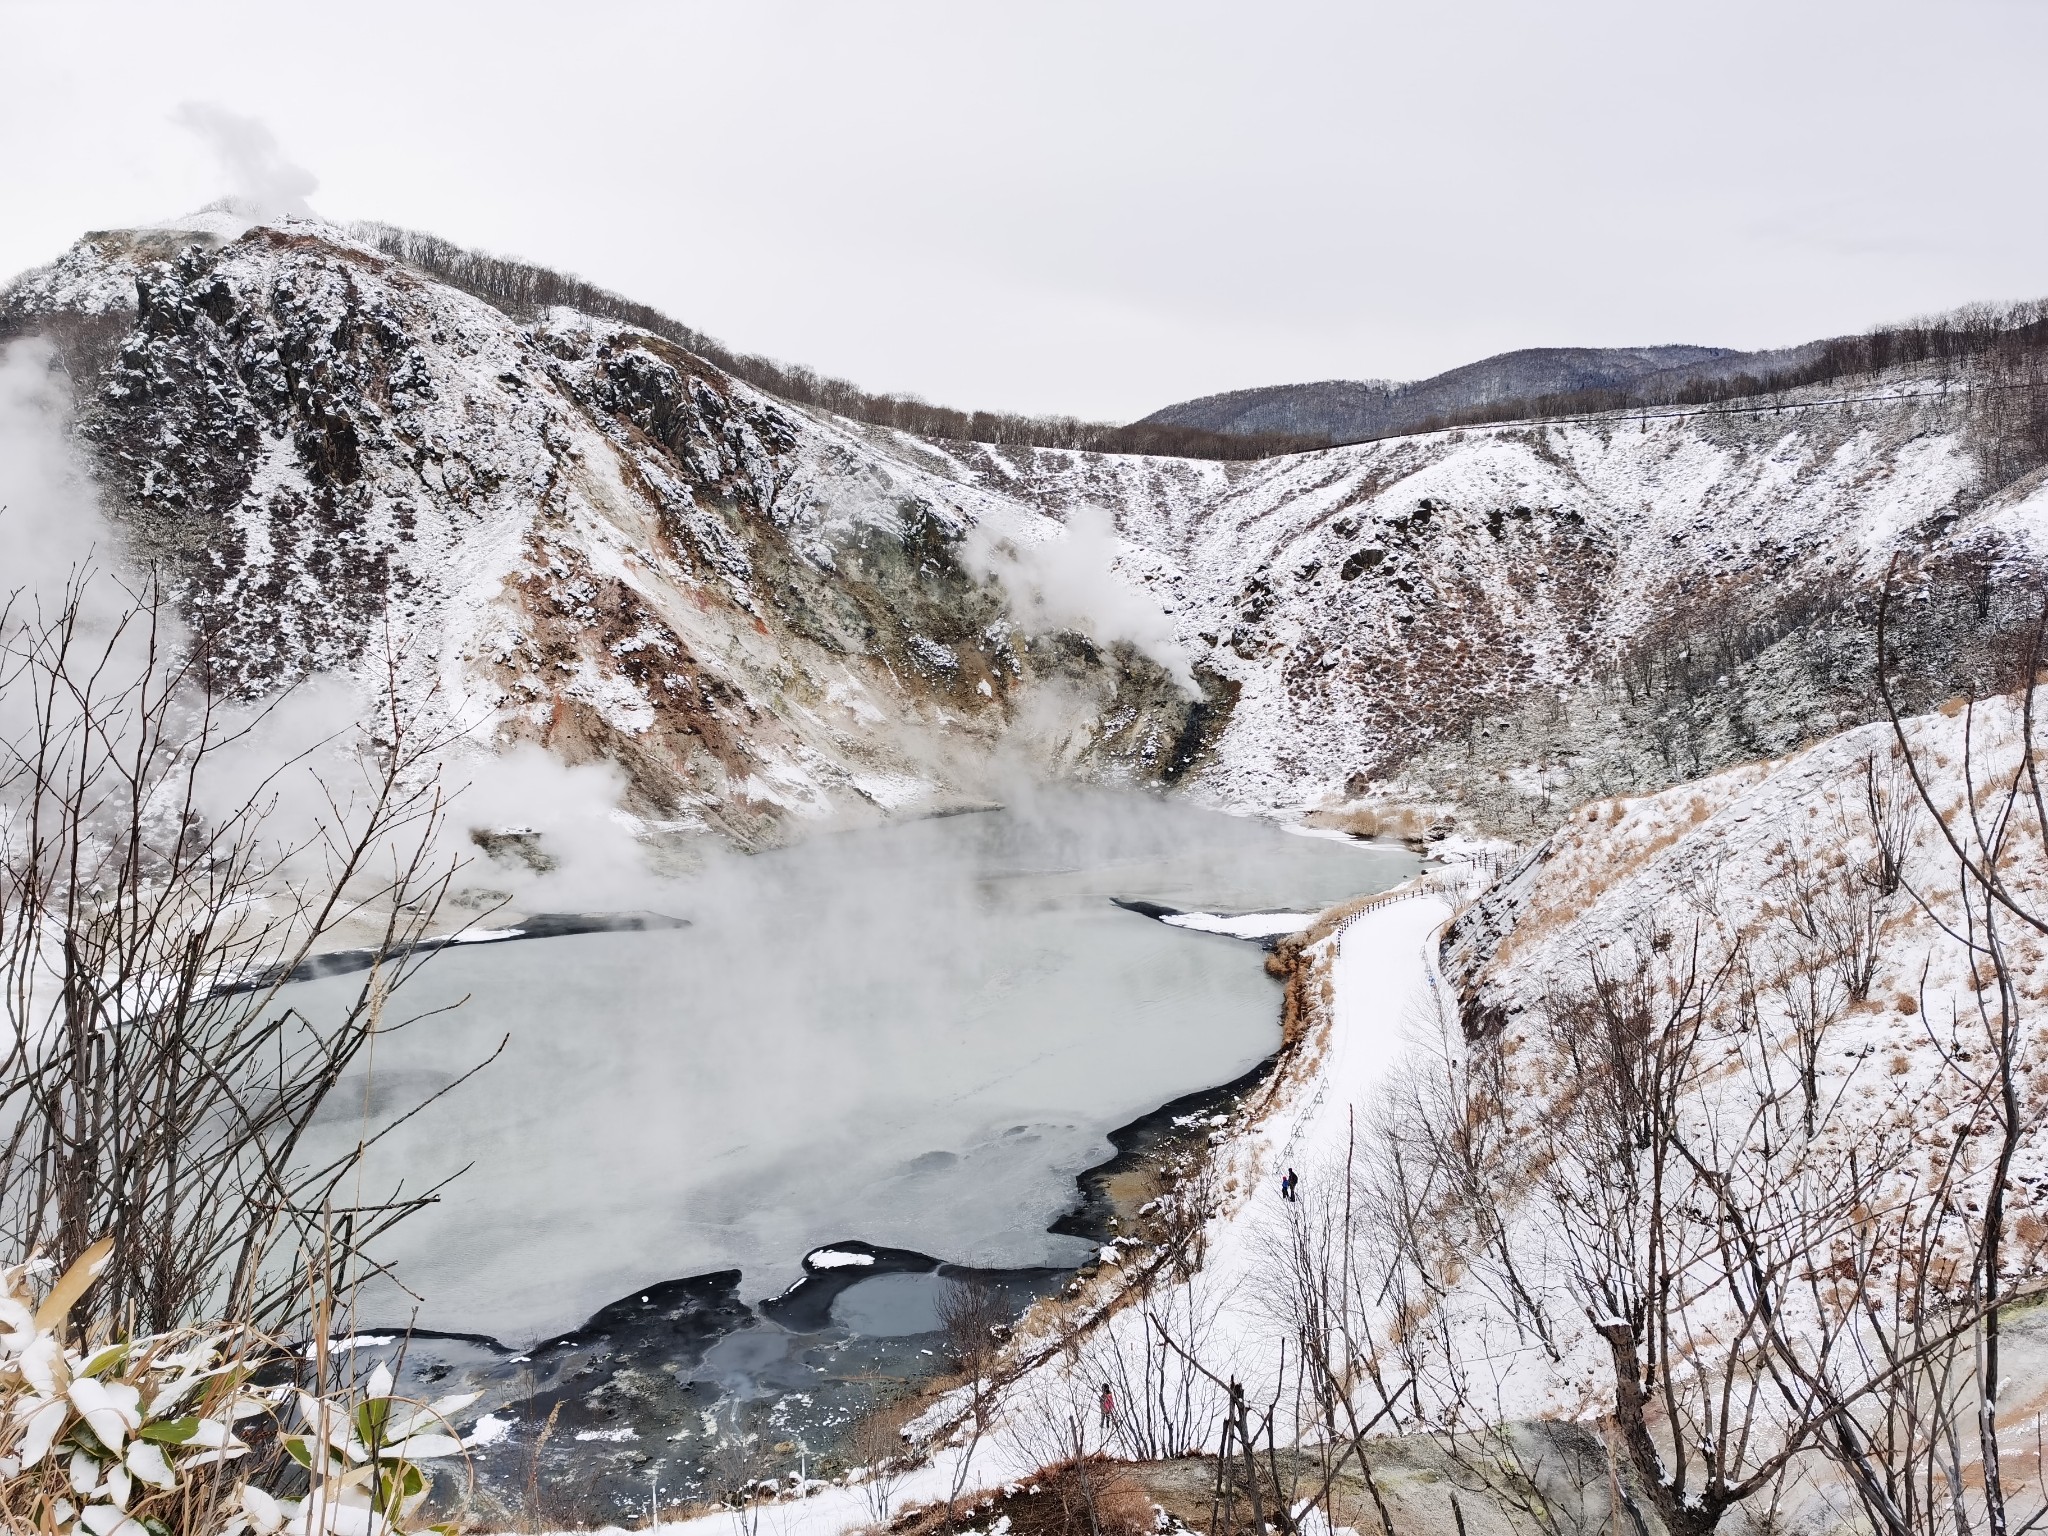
1076 1498
1403 822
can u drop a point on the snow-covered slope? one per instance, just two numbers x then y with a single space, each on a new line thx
1368 602
579 534
563 532
1802 926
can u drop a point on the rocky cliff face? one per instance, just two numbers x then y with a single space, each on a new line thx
565 532
1467 612
569 531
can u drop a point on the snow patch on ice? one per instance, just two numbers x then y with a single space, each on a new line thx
1243 925
837 1258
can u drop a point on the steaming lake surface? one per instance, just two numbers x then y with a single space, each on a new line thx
916 1035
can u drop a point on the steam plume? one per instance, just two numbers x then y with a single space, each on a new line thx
1071 582
262 180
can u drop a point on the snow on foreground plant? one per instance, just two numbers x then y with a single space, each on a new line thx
129 1438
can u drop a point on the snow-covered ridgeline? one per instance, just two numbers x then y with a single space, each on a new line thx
588 538
1362 598
565 531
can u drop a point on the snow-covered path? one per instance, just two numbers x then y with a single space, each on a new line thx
1384 979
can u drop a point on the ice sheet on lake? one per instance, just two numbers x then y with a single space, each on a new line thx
915 1036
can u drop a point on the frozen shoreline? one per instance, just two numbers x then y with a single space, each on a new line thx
1382 973
711 1336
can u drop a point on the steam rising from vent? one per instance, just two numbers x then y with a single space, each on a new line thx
67 564
59 548
49 521
546 834
1070 582
49 524
263 182
288 752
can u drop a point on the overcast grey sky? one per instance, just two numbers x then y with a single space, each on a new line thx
1101 208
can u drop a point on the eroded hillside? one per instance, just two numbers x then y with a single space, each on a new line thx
1590 600
567 532
572 531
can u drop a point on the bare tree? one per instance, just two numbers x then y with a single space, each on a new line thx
156 1080
1627 1188
1943 1243
971 1315
975 1321
1696 1431
734 1471
1163 1408
1893 809
877 1442
1055 1423
1821 960
1246 1425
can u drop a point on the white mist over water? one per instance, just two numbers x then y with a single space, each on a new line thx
915 1035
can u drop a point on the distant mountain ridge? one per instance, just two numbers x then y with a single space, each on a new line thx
1347 410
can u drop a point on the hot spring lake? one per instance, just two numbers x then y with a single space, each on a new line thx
914 1035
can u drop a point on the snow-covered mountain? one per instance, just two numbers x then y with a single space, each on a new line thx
548 528
563 532
566 530
1351 410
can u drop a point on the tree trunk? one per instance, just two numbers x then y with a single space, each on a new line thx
1679 1515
